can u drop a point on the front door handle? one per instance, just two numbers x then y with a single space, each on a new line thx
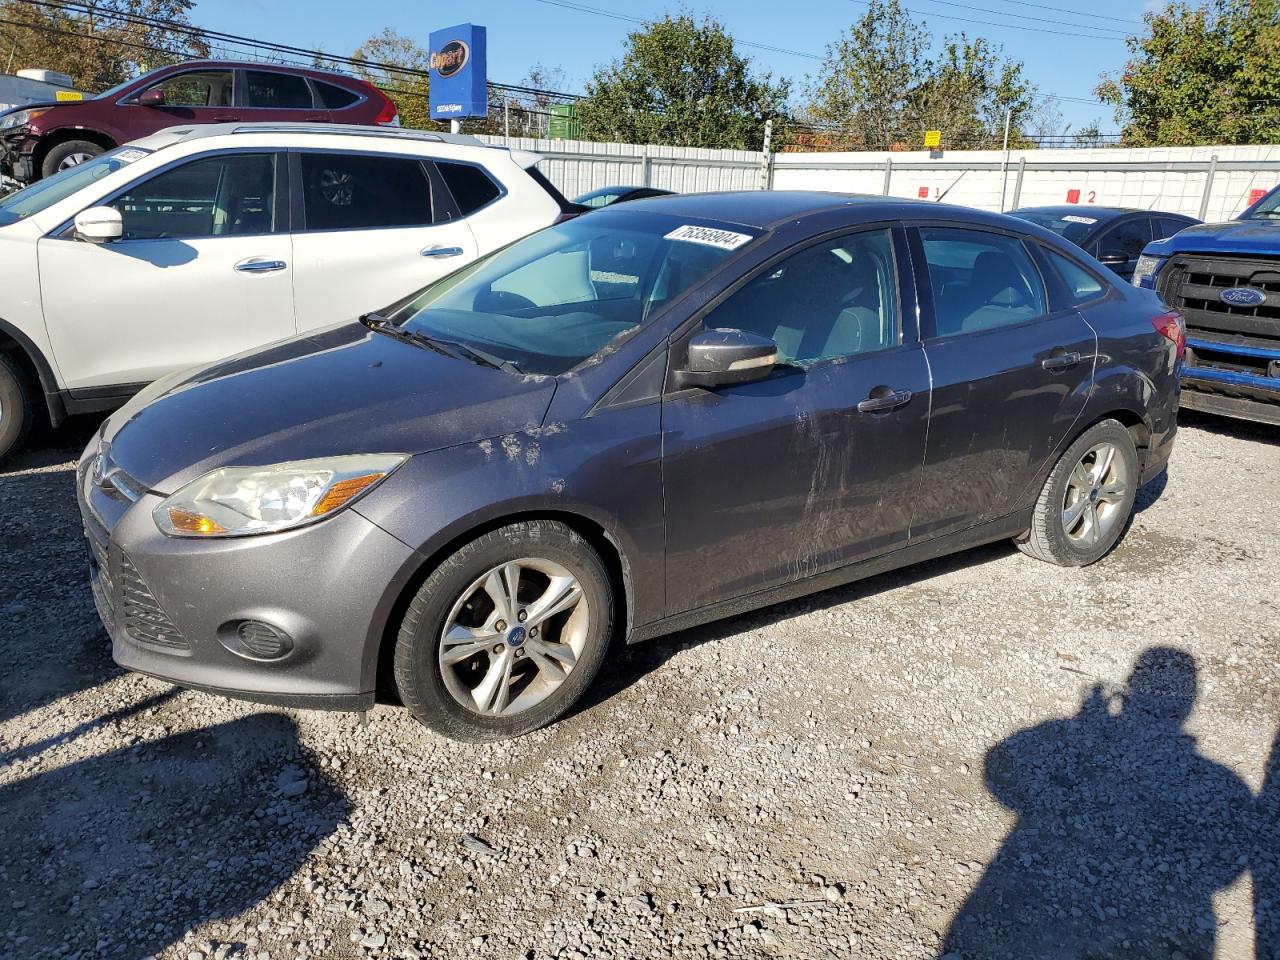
883 399
441 252
226 119
258 265
1060 361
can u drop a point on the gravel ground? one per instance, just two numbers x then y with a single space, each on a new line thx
982 756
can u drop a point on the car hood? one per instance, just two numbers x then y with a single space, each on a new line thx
1234 236
344 390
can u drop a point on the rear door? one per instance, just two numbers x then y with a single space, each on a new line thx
781 479
1011 373
202 272
370 229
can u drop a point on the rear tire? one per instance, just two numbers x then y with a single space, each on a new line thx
505 635
69 154
1087 501
16 412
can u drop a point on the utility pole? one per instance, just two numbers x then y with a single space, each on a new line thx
1004 164
766 156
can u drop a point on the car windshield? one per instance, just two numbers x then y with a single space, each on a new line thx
1268 208
552 300
1074 227
45 193
112 91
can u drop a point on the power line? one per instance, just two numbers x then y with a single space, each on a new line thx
1007 26
1042 6
1023 16
613 15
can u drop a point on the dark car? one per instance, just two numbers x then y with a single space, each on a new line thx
607 196
1114 235
1225 279
626 424
40 139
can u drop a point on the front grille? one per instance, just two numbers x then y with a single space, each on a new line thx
1191 285
141 614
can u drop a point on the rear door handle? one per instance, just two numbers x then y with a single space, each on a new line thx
226 119
258 265
442 252
1060 361
882 402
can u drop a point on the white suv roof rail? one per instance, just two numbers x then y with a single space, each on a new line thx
360 130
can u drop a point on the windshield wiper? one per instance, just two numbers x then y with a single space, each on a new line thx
449 348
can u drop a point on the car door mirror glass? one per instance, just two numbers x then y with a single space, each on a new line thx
1113 256
154 97
720 357
99 225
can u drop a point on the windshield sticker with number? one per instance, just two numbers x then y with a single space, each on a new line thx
712 237
130 155
1072 218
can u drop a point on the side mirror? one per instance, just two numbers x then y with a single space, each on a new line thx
99 225
721 357
152 98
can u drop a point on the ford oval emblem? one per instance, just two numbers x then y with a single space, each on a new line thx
1242 296
451 58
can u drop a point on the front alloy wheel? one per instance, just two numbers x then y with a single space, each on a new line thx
506 634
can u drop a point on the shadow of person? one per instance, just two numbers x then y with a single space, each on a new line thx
1124 831
119 855
1266 860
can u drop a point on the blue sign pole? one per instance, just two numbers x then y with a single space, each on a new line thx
459 73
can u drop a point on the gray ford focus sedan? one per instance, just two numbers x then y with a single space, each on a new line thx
629 423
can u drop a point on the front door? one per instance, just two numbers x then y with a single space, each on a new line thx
376 228
196 96
818 465
1010 375
201 272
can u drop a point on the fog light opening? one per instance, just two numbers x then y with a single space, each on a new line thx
257 640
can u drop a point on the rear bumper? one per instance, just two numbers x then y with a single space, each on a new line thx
171 606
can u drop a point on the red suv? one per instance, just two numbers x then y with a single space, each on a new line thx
40 139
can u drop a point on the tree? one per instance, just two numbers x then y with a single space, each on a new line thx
98 43
882 84
681 83
398 67
1201 75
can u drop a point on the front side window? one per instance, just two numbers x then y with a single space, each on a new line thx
214 197
979 280
1125 240
548 302
355 192
836 299
203 88
283 91
471 187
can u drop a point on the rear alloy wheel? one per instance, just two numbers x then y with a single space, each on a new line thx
1088 499
64 156
506 634
15 405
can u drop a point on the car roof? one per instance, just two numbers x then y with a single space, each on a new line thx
261 65
1097 213
762 209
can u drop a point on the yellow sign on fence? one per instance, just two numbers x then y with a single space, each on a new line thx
933 139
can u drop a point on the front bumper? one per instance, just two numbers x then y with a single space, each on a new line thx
17 151
1232 379
166 602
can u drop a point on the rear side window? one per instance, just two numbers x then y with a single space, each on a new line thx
1081 285
333 97
471 187
979 280
283 91
213 197
354 192
1125 240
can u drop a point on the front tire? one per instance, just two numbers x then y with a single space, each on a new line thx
69 154
15 405
506 634
1087 500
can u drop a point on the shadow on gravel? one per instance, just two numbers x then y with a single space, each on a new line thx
1230 426
1124 832
119 855
1266 860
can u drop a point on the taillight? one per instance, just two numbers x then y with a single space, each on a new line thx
1172 327
388 116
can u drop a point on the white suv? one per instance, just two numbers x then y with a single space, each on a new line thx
203 241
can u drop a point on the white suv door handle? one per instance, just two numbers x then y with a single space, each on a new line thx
442 251
258 265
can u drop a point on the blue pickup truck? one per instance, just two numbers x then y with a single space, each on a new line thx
1224 278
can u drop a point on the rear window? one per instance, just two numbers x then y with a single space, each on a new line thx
333 97
281 91
354 192
1074 227
471 187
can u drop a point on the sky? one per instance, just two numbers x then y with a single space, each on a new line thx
1066 59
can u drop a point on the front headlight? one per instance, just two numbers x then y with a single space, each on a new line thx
1144 274
19 119
240 501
